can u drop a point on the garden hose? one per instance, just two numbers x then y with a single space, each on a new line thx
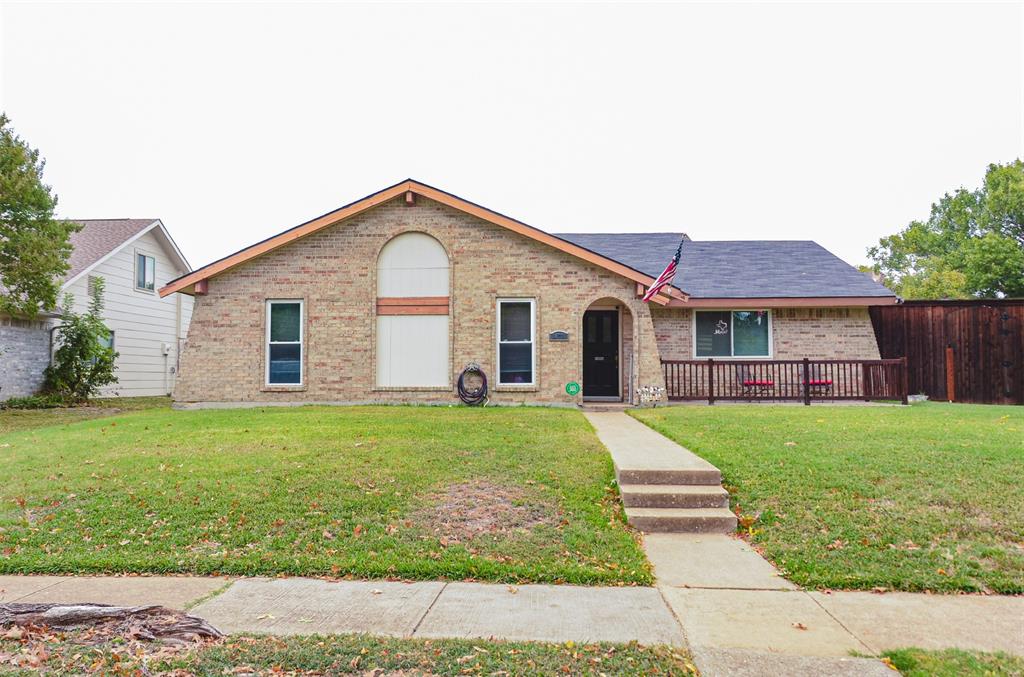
477 395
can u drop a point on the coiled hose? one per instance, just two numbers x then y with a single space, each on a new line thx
477 395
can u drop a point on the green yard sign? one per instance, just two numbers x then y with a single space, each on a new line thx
572 388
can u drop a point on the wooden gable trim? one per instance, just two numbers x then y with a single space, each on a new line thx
186 282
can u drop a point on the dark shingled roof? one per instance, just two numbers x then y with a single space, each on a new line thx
98 238
736 269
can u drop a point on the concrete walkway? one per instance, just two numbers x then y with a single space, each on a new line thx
741 617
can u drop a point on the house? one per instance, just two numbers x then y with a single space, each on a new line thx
388 298
135 257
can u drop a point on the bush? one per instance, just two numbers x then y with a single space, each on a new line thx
82 364
50 401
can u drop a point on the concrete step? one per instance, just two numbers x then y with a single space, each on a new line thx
682 520
673 496
679 476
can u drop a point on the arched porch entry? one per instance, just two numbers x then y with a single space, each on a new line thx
608 355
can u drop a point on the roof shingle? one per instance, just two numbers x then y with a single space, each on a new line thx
739 268
98 238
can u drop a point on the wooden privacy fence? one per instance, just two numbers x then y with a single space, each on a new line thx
786 380
963 351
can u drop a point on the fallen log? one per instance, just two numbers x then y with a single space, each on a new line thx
152 622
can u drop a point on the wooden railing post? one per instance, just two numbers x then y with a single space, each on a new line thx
711 381
807 382
904 379
864 371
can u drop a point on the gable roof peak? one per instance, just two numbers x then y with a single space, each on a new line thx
186 283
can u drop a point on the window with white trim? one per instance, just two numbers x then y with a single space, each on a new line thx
145 272
516 341
284 342
732 333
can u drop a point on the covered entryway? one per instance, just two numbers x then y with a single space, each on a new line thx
607 325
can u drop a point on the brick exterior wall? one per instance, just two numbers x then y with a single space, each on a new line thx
816 333
334 272
824 334
24 354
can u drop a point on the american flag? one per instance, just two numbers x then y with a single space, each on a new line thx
666 275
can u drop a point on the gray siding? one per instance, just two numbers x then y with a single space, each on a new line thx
142 322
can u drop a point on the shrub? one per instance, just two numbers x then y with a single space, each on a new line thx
82 364
50 401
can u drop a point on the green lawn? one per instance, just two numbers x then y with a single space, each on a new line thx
72 653
502 494
955 663
926 497
25 419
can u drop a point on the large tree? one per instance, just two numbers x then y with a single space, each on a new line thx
34 246
972 244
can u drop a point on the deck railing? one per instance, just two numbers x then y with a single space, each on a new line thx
786 380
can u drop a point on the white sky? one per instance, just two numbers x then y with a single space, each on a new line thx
231 122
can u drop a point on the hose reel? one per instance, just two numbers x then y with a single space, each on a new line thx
474 395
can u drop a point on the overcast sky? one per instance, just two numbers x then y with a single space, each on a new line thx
231 122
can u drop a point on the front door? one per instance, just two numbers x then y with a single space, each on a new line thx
601 353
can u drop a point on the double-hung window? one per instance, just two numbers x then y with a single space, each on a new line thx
284 343
516 334
145 272
732 333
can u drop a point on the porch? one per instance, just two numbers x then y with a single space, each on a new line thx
803 380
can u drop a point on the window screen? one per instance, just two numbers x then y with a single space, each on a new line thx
737 333
284 342
515 341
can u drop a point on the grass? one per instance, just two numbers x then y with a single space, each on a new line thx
12 420
955 663
69 653
926 497
500 494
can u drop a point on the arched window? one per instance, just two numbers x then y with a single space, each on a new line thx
412 313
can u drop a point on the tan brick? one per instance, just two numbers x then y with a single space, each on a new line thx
334 272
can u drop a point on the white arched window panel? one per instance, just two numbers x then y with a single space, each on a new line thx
412 345
412 264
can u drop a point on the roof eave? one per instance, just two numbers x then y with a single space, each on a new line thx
186 283
760 303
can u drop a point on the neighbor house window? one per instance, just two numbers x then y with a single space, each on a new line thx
516 327
104 341
145 272
284 343
732 333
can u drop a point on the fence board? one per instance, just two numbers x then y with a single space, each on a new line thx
986 341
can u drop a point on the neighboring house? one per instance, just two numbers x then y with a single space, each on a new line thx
135 257
388 298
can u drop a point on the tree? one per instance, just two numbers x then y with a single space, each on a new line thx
971 245
82 364
34 247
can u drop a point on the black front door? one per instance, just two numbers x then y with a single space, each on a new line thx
601 353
